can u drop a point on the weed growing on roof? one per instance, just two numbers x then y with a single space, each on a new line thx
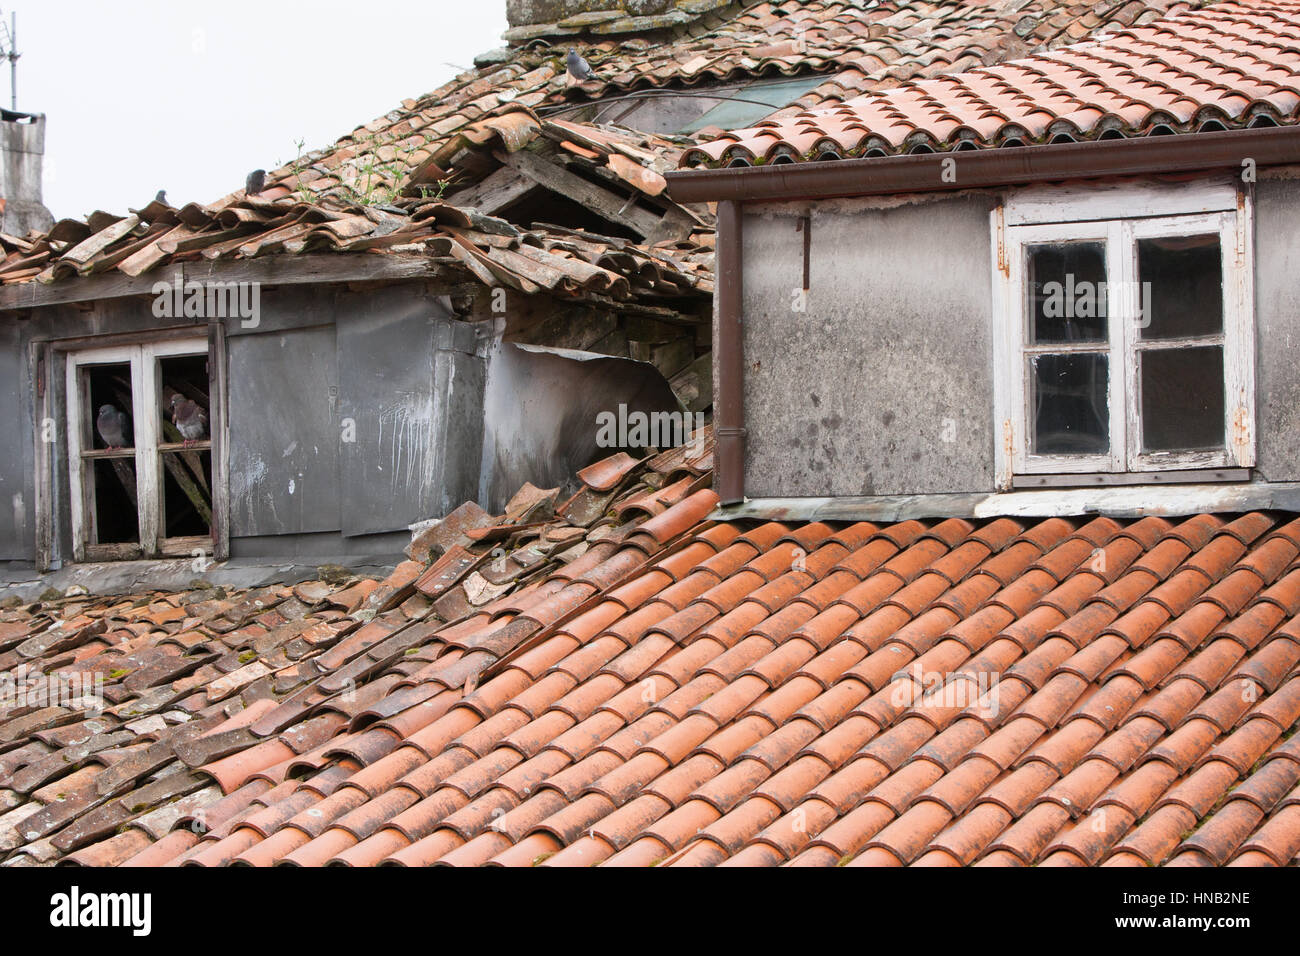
432 190
379 182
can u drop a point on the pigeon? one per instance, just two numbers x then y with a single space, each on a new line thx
111 425
190 420
577 68
161 197
255 182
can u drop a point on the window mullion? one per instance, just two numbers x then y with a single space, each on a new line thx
144 386
1238 340
1123 407
75 407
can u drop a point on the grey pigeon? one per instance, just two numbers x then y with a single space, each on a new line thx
577 67
255 182
111 425
190 420
161 197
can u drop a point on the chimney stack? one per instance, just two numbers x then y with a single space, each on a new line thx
22 152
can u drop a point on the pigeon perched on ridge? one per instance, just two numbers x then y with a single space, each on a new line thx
255 182
577 68
111 425
161 197
190 420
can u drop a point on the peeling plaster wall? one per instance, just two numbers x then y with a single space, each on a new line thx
884 385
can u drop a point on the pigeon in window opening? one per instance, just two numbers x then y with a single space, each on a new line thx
577 68
111 425
190 420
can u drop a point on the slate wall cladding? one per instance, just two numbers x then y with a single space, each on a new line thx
884 385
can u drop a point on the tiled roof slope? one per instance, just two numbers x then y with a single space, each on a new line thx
688 692
1230 65
359 193
860 46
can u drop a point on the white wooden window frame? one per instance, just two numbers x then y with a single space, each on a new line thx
1120 216
146 392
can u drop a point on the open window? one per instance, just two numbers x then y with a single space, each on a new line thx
1127 343
140 452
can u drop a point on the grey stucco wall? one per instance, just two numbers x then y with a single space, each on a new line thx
1277 329
883 386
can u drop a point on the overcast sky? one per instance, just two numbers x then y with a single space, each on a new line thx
188 96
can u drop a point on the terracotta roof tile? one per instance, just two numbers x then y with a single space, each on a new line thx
1229 65
914 711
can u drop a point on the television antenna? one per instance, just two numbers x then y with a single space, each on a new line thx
9 51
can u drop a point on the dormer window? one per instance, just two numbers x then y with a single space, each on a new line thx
1126 344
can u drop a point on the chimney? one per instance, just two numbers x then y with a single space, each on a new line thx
22 145
524 13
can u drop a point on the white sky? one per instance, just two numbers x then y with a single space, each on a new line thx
190 95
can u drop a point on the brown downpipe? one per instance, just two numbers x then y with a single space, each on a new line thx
729 347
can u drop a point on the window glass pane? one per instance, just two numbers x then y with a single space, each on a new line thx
1068 404
1182 398
1067 292
187 493
183 416
1181 284
108 406
115 519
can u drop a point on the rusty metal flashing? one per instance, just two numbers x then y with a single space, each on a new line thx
929 172
1116 502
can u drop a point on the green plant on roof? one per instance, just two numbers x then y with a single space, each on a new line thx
303 193
432 190
120 672
379 181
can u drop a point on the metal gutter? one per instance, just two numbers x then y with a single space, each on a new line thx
1002 166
